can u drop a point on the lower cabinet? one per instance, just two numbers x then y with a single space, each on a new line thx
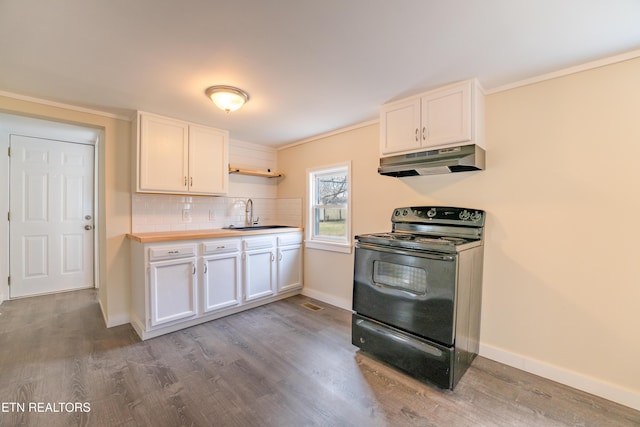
172 287
259 272
289 262
220 275
178 285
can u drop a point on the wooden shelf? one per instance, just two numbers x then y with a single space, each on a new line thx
253 172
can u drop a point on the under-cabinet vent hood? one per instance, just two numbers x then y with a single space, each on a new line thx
445 160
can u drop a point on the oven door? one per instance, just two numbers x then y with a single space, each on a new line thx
410 290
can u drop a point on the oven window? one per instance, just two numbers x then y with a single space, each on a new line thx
406 277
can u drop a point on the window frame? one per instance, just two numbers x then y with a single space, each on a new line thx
334 244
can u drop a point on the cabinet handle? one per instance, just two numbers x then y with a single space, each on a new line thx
185 180
280 257
191 182
273 258
194 268
173 252
424 133
417 130
205 269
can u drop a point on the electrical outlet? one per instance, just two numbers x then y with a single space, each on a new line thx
212 215
186 215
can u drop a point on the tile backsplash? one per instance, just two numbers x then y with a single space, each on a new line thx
161 212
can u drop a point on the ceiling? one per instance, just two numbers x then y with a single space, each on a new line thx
310 67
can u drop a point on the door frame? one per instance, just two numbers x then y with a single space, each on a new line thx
13 124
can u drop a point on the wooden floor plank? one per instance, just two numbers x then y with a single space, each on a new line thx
276 365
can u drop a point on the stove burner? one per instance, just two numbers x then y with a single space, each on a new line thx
406 237
415 241
440 240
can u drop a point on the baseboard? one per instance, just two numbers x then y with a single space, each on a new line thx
576 380
329 299
112 321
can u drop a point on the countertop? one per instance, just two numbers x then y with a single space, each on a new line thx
171 236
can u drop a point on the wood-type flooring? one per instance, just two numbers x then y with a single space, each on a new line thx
277 365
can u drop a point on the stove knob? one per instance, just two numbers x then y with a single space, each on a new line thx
431 212
477 216
405 212
464 215
396 212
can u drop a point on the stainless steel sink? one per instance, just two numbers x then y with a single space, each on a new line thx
258 227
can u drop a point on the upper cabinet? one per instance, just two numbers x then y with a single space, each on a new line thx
180 158
440 118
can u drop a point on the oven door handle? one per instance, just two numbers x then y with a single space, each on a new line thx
397 251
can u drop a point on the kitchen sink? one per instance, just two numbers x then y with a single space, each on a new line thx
258 227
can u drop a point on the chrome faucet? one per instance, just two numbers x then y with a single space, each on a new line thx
249 214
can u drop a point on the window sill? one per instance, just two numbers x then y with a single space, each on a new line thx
344 248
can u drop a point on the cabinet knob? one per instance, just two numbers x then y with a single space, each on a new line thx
417 134
424 133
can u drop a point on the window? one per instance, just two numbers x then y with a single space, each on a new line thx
329 223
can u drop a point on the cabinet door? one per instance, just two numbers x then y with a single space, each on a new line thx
400 126
259 274
446 116
221 281
172 288
208 160
289 268
163 155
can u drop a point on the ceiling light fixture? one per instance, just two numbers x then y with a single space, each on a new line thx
227 98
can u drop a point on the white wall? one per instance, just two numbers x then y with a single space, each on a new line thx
562 277
114 193
247 155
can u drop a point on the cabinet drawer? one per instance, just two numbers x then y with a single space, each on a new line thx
175 251
220 247
258 243
290 239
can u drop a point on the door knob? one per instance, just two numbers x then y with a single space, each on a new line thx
88 227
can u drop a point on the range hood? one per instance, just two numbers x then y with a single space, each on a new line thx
463 158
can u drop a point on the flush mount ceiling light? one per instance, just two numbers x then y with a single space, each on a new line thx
227 98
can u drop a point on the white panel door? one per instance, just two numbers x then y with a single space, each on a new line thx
164 151
446 116
51 205
208 160
259 274
289 268
172 290
400 127
221 281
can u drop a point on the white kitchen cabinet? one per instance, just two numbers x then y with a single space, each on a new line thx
221 268
259 268
208 160
289 269
177 284
439 118
172 284
180 158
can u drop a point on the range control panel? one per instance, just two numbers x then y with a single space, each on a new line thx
439 215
